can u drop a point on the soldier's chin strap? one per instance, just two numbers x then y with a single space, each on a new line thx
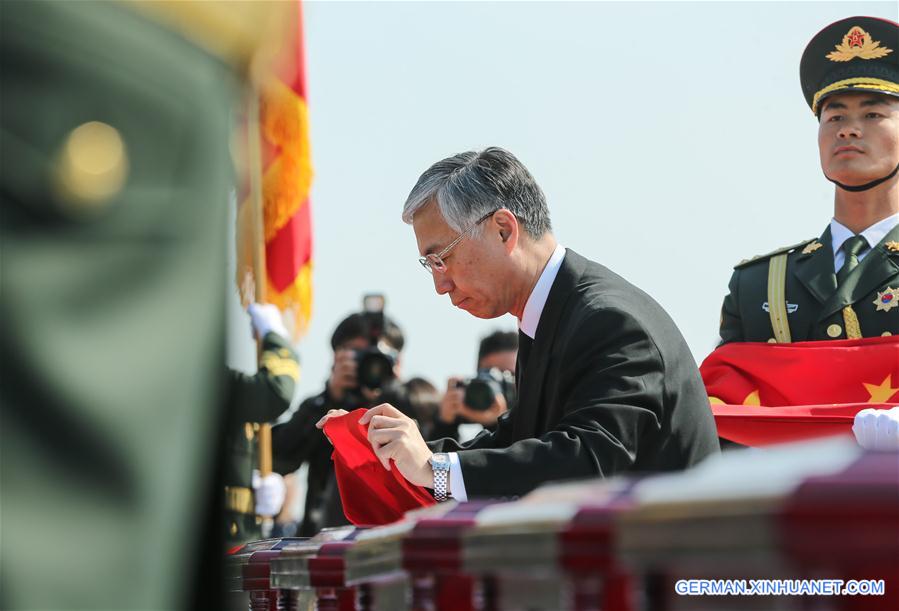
867 185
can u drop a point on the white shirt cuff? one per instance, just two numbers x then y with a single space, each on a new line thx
457 484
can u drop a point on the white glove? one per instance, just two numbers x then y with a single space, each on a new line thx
270 492
266 318
877 429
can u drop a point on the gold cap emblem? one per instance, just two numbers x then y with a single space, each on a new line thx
892 246
812 248
857 43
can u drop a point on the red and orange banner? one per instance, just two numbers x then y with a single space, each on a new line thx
769 393
286 182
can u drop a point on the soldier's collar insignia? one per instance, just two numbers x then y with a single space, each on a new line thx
887 300
809 249
857 43
892 246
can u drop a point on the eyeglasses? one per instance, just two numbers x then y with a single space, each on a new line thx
434 262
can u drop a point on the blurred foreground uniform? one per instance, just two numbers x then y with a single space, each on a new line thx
114 135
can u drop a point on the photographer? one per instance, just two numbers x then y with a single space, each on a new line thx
485 397
365 372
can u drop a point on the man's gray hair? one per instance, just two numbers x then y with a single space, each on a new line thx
470 185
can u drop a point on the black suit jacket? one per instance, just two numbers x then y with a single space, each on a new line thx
610 386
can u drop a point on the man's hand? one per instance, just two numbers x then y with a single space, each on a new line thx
451 403
395 436
343 375
266 318
270 492
332 413
488 416
877 429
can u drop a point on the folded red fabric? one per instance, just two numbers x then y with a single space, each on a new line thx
371 495
751 425
804 373
772 393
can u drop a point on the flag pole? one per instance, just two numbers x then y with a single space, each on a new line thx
264 437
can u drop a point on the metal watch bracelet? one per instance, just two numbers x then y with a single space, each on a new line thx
440 477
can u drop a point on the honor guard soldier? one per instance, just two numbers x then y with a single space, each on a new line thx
844 284
257 399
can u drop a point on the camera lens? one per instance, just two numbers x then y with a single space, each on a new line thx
375 369
480 394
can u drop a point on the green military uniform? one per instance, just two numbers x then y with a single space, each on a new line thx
801 283
793 294
114 182
254 398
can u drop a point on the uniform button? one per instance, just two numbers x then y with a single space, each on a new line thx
91 167
834 330
233 528
885 334
771 340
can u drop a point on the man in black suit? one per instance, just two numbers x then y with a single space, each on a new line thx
606 382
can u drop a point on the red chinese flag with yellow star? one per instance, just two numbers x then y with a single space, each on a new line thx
769 393
286 182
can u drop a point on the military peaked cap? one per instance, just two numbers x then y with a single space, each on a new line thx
854 54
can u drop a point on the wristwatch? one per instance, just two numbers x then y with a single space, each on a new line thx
440 464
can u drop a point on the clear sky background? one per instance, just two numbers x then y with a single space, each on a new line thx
671 140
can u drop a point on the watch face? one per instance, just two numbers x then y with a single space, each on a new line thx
440 461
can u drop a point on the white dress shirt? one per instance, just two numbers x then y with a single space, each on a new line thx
839 233
530 318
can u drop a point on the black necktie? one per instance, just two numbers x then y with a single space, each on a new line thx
852 248
524 351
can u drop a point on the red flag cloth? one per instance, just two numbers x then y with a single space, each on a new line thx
371 495
286 182
751 425
771 393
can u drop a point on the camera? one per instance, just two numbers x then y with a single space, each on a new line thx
481 390
375 366
375 363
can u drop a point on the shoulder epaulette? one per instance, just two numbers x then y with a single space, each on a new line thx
765 256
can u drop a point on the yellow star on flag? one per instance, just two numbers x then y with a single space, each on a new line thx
881 393
751 399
